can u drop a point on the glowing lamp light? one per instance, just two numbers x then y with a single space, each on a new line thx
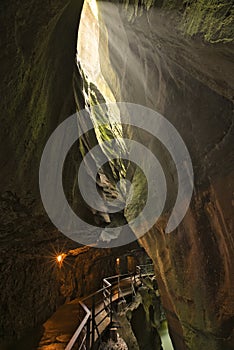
60 258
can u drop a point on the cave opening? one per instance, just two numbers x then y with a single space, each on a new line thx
174 60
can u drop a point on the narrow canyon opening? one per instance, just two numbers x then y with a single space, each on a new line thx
141 94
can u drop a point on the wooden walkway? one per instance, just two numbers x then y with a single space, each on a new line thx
82 321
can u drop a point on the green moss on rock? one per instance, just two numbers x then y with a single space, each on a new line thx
214 19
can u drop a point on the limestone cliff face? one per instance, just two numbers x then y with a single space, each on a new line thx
35 97
175 60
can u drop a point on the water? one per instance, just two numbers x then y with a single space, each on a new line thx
165 337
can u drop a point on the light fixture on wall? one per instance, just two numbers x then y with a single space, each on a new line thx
60 258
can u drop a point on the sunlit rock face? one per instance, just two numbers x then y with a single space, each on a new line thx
38 50
147 58
168 59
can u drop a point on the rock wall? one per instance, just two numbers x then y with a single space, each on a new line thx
144 310
147 339
36 94
33 284
155 63
172 58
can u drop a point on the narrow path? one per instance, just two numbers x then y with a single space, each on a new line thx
60 327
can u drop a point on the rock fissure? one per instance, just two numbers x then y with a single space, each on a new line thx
173 57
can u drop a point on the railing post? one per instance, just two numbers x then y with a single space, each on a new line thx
111 316
133 286
93 320
88 335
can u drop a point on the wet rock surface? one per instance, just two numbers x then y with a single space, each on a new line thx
137 322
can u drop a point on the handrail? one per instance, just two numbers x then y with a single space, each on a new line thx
94 293
145 270
80 328
90 316
116 276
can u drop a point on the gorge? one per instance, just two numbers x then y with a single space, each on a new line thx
173 57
